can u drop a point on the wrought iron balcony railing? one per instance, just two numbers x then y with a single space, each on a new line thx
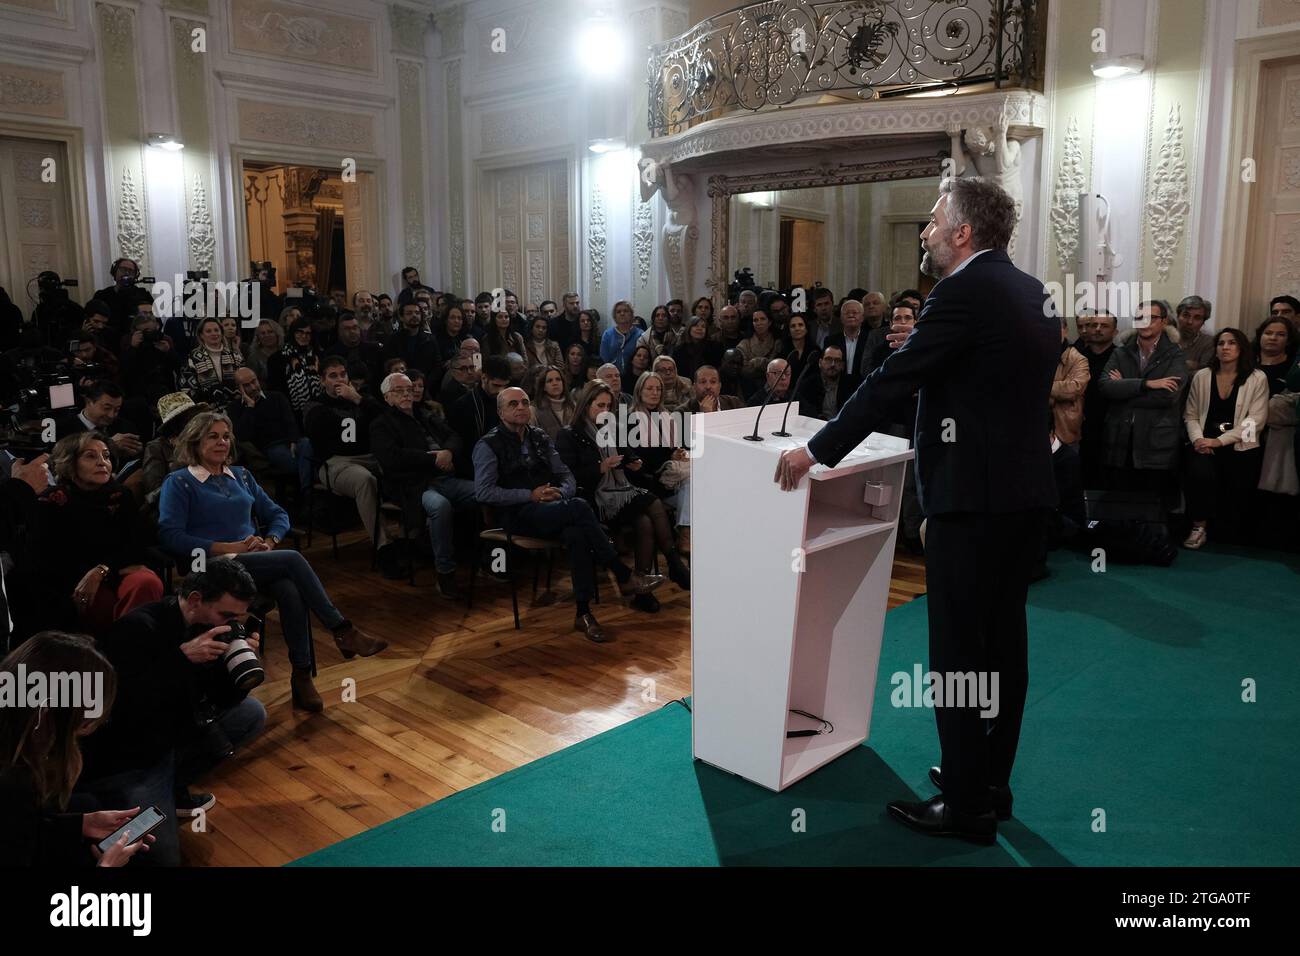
781 52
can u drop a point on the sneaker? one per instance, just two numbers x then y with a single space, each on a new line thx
1195 539
191 804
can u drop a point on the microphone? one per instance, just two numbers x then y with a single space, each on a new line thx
793 392
755 436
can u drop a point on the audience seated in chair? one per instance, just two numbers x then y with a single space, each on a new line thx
206 512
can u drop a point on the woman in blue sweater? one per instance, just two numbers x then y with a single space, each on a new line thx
208 508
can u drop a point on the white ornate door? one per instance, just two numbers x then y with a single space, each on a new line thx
524 230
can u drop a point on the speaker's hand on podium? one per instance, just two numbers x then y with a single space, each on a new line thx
791 467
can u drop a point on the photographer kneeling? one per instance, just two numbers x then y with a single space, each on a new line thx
206 505
183 671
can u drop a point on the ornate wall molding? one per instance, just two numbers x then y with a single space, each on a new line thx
32 92
306 126
1064 212
451 24
189 6
117 30
202 235
1027 112
517 128
131 235
293 31
408 28
597 240
643 242
455 175
1168 204
409 83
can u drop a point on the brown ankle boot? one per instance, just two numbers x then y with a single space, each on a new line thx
352 642
304 691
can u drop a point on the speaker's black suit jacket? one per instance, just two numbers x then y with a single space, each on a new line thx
982 355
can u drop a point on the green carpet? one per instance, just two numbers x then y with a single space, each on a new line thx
1135 710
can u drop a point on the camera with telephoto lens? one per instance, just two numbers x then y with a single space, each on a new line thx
241 661
150 336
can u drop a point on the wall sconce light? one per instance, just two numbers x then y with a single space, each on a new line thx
164 141
1117 66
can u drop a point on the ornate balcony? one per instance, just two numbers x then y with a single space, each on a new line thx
780 53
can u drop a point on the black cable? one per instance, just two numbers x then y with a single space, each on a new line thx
829 728
680 700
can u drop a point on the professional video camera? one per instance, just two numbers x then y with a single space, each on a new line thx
744 280
39 387
56 315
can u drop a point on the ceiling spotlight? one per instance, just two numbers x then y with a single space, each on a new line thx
1117 66
165 141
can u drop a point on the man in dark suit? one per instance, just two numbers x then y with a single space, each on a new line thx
852 341
984 475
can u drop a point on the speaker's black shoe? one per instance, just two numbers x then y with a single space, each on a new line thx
1001 795
935 818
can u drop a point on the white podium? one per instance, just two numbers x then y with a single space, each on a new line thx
766 638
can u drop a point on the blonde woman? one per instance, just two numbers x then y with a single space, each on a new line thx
206 507
664 454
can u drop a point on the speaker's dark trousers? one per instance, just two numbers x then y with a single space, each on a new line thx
977 569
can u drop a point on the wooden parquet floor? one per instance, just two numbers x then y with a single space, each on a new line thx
458 697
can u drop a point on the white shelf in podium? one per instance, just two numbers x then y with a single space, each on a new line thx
767 637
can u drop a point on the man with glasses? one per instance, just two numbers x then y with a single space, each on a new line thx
461 377
822 396
418 455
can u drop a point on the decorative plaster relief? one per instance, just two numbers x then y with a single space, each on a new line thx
455 176
32 92
37 257
307 34
130 220
1289 170
1063 215
451 25
643 242
305 126
509 270
36 213
1168 205
117 25
515 128
408 28
508 228
804 126
528 37
202 235
28 166
1291 104
596 238
190 6
1286 270
536 276
536 226
1276 13
536 189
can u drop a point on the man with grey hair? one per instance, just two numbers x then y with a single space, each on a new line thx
852 341
418 456
1198 347
518 472
776 385
984 477
611 376
873 309
746 303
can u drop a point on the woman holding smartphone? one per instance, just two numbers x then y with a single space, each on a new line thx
40 761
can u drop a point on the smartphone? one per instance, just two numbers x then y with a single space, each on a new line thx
135 829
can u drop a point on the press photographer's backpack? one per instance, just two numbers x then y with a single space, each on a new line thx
1130 526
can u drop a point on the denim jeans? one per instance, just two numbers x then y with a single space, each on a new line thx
296 462
443 498
575 522
156 786
288 577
